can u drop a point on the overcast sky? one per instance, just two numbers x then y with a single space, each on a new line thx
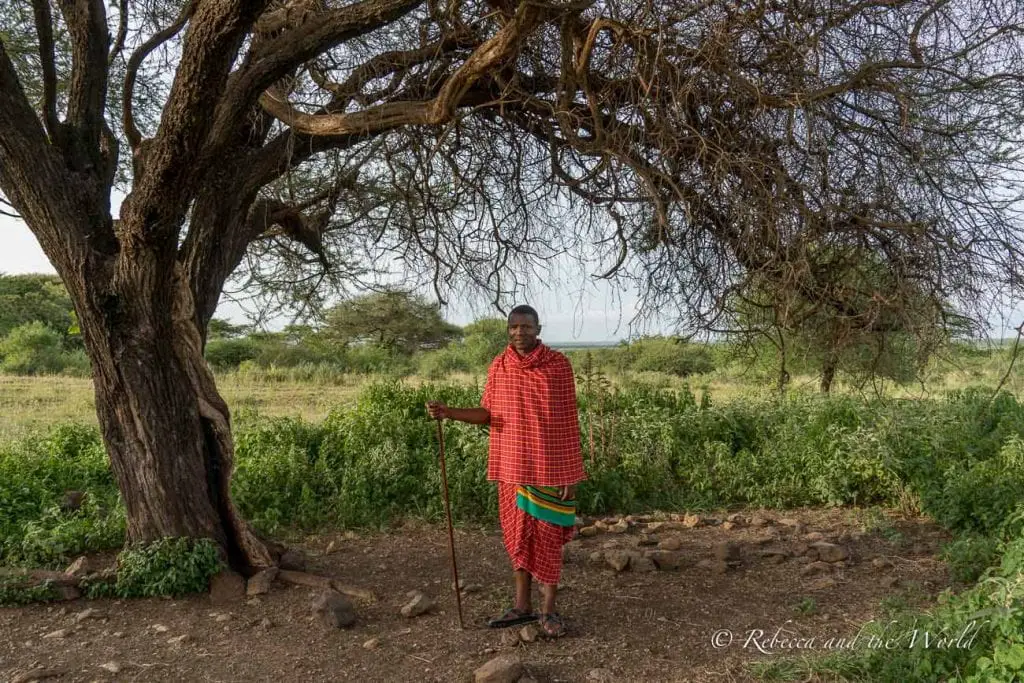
574 310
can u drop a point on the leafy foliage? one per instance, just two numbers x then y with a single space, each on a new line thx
394 320
169 566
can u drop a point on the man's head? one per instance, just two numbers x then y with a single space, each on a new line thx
523 328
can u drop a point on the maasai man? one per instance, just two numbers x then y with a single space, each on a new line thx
535 457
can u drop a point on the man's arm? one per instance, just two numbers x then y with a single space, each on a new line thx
474 416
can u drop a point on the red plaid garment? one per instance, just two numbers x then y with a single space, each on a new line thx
533 545
535 429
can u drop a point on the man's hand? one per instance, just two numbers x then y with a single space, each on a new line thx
568 492
437 410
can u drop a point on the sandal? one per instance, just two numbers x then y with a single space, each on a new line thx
512 617
551 625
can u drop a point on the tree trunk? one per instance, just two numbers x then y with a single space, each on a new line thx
166 428
828 372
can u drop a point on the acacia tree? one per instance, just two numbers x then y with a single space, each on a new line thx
690 146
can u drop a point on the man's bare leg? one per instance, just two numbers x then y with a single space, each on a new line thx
549 593
524 599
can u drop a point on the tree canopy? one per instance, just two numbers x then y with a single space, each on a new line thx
394 320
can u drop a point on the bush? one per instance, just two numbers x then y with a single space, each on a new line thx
170 566
32 349
225 354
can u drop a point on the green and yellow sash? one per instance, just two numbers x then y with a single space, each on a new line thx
544 503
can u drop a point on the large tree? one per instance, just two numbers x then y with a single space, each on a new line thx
692 145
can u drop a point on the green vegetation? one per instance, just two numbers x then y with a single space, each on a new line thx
170 566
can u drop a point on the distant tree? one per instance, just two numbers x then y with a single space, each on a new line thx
223 329
394 320
484 339
32 349
34 297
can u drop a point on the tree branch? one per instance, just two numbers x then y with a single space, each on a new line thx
44 30
87 24
122 32
132 71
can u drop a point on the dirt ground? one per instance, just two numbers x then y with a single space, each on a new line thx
701 622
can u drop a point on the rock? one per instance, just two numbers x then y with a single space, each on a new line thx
812 554
790 522
881 563
830 552
617 560
691 521
178 640
647 540
79 568
265 624
59 633
37 674
501 669
371 644
654 526
714 566
419 604
89 613
334 609
293 560
589 531
596 557
818 567
670 544
728 526
727 551
510 637
600 525
331 547
890 581
529 633
72 501
823 583
601 676
801 549
642 564
814 537
472 588
353 591
619 528
736 518
221 618
666 560
774 556
226 587
759 520
259 584
112 667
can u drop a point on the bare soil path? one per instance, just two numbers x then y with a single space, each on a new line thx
657 625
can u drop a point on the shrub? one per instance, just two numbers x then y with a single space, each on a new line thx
32 349
169 566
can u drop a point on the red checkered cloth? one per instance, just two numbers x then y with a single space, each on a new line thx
533 545
535 428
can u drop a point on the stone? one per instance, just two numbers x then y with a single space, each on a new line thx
178 640
670 544
823 583
509 637
501 669
714 566
226 587
814 537
529 633
727 551
790 522
79 568
801 549
419 604
601 676
596 557
259 584
619 528
601 525
642 564
112 667
472 588
589 531
221 618
666 560
890 581
293 560
648 540
736 518
89 613
818 567
830 552
774 556
59 633
371 644
72 501
728 526
691 521
334 609
881 563
654 526
37 674
617 560
759 520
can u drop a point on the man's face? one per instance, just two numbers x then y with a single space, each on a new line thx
522 332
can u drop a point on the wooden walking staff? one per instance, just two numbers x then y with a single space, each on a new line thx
451 531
